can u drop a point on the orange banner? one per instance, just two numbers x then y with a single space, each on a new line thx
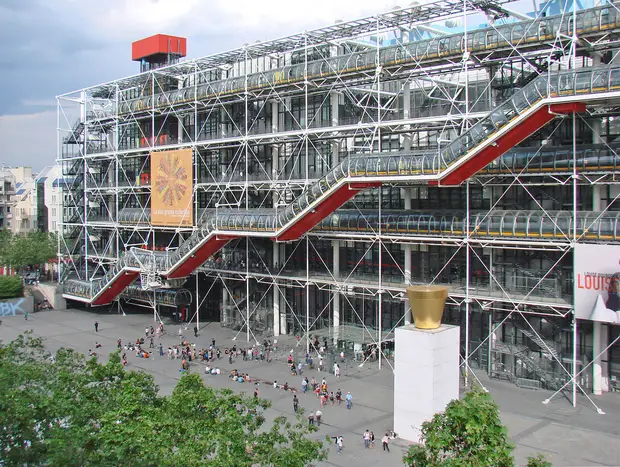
172 188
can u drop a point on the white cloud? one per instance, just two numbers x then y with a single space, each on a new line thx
131 19
28 139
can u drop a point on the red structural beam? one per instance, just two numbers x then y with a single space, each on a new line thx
513 137
320 212
199 256
114 289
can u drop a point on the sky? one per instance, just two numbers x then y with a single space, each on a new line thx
48 48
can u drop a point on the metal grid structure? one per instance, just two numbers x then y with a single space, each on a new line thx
421 122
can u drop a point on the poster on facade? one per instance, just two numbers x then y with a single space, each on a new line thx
597 283
171 188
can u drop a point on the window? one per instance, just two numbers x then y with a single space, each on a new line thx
54 226
8 209
53 212
53 199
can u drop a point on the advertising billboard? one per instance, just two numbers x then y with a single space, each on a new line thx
172 188
597 282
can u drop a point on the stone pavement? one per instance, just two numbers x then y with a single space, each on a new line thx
568 436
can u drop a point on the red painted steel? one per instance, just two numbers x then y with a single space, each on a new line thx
200 256
513 137
312 218
116 288
159 44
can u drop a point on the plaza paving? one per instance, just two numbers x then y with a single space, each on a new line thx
567 436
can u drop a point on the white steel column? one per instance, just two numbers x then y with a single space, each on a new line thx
283 327
180 119
276 290
334 102
600 337
336 299
407 113
224 314
275 113
406 195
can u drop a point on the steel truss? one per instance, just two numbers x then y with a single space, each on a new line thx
267 120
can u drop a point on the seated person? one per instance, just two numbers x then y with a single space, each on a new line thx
293 369
240 379
207 370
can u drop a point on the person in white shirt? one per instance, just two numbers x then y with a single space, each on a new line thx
385 441
339 443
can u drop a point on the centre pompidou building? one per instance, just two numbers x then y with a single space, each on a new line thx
297 186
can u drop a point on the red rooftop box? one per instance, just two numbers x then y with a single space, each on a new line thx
159 44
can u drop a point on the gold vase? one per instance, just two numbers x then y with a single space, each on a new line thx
427 303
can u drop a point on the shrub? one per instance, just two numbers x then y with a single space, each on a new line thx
11 287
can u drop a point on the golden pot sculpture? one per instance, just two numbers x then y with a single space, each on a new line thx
427 303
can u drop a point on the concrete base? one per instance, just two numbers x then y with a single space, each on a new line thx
426 376
53 294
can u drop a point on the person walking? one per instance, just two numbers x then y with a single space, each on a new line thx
151 344
26 316
300 368
295 403
318 414
385 440
337 370
161 350
366 438
339 443
349 399
311 418
119 345
304 385
195 331
372 440
96 326
255 392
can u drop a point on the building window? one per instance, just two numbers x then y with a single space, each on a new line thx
53 199
53 225
54 212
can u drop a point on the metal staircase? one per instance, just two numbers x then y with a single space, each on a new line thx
548 347
529 109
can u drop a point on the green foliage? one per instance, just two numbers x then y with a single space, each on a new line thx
29 249
538 461
11 287
78 412
469 433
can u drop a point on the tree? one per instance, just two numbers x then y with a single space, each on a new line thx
79 412
468 433
28 249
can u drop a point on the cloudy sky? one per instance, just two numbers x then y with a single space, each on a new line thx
49 48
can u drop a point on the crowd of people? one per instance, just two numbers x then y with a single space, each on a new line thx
187 352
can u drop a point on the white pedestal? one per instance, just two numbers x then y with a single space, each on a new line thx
426 376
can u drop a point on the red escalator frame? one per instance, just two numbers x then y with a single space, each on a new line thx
513 137
114 289
324 209
341 195
200 256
